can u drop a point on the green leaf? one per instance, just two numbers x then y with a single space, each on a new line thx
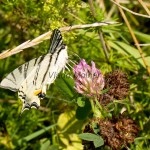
54 147
80 102
82 112
142 36
87 136
45 144
129 50
143 138
66 85
95 128
36 134
97 140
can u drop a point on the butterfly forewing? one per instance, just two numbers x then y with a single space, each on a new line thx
55 41
14 79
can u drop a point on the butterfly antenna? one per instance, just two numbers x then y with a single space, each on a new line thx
75 54
69 65
73 62
67 68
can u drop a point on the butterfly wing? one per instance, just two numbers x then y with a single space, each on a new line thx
48 71
59 62
55 42
36 74
14 79
31 86
45 73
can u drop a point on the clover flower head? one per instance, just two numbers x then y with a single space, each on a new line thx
89 80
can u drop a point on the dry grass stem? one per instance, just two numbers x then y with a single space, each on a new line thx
148 44
99 32
134 39
144 6
47 35
137 14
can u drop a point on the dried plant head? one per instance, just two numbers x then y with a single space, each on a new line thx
117 84
116 132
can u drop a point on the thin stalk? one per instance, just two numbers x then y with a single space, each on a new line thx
134 39
45 36
144 6
96 108
101 37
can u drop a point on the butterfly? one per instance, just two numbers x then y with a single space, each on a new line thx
31 79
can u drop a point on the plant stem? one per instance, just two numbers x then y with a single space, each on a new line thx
96 108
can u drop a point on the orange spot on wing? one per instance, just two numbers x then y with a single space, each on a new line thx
36 92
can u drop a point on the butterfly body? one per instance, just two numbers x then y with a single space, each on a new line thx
31 79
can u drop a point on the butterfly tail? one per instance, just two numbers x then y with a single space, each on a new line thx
55 41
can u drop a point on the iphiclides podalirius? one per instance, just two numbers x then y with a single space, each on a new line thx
31 79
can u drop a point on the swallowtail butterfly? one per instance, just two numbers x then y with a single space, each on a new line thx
31 79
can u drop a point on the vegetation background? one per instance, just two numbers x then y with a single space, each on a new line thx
60 119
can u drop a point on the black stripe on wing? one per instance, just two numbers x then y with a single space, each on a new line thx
48 66
55 41
63 46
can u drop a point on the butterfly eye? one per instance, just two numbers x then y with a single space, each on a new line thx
41 95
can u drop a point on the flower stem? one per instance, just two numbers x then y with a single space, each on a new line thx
96 108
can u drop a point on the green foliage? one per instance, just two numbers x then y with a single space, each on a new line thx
83 111
97 140
41 129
